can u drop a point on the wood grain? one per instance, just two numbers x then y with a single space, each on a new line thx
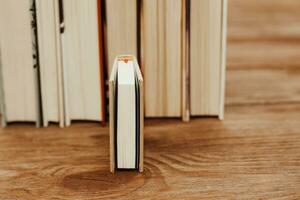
263 34
253 154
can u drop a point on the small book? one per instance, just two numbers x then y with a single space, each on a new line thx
126 115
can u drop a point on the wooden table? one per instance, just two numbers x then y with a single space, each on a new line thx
253 154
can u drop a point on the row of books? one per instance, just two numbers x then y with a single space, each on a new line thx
56 57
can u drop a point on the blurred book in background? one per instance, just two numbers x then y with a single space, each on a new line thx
18 63
207 57
180 44
161 57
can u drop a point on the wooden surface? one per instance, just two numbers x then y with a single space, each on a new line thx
253 154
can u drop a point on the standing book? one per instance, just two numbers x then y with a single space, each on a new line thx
19 77
126 115
50 61
121 29
161 57
71 55
207 57
83 77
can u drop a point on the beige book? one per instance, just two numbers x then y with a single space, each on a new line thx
81 66
50 61
18 74
161 57
126 115
207 56
120 29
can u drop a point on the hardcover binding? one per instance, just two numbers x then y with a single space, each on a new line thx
186 68
112 113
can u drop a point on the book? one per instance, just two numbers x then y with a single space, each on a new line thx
180 44
19 62
82 73
207 57
50 57
71 60
126 115
70 43
66 78
161 57
120 28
